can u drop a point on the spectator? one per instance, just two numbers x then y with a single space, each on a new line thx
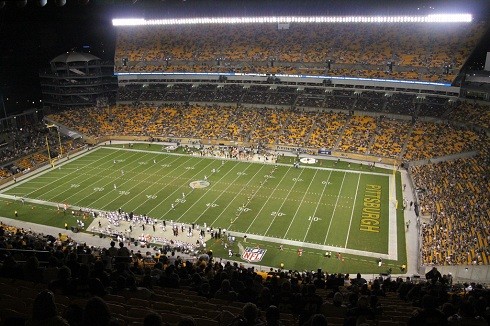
309 303
153 319
433 275
317 320
361 313
273 316
226 292
123 254
336 308
429 314
44 311
466 316
74 315
96 313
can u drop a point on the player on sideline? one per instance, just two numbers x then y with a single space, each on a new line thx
183 195
205 177
154 161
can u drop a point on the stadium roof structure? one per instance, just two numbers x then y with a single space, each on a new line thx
74 57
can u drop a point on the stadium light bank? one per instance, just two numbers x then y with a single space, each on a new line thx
435 18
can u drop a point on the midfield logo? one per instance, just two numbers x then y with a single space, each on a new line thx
253 255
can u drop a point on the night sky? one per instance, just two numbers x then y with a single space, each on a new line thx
31 36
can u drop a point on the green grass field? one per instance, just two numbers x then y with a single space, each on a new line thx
317 208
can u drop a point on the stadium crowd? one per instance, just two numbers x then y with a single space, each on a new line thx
465 112
429 139
363 134
53 280
326 130
413 51
471 113
21 142
388 140
25 147
455 195
357 134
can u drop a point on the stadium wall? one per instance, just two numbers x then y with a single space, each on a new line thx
334 81
367 158
444 158
469 273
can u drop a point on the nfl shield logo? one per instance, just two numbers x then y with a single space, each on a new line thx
253 255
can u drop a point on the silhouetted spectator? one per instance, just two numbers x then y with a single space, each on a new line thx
96 313
153 319
433 275
44 311
317 320
429 314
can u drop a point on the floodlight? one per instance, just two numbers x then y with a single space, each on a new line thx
435 18
133 22
42 3
449 18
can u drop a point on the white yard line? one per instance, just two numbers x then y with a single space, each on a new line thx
301 203
352 212
47 171
45 177
110 183
63 183
174 178
318 204
334 209
209 189
258 213
238 193
136 184
285 199
185 184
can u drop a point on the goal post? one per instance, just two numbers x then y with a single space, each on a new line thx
241 249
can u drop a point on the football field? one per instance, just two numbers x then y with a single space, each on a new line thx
348 210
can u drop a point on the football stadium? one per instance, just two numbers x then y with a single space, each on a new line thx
260 166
